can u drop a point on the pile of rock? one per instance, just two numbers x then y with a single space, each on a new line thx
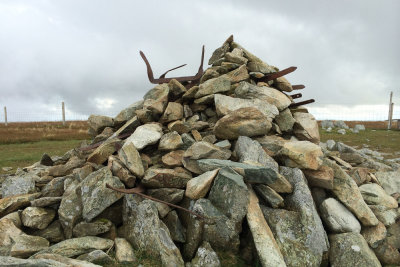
341 126
230 150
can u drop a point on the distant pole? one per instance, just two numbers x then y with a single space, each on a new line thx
63 112
5 116
390 111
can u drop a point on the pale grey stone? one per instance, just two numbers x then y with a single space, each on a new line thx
337 218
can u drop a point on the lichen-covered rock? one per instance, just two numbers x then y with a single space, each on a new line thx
205 257
172 221
173 112
123 251
22 183
302 154
13 203
306 127
146 231
54 232
285 120
70 211
12 262
106 149
269 196
95 196
145 135
390 181
77 246
170 178
373 194
265 243
346 190
98 123
323 177
97 257
213 86
129 155
38 218
244 121
374 235
171 195
94 228
170 141
351 249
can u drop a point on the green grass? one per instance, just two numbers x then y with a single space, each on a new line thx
25 154
379 140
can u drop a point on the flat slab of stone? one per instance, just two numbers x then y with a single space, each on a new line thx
17 185
338 218
37 218
78 246
13 203
373 194
170 178
199 186
266 246
129 155
302 154
145 135
323 177
244 121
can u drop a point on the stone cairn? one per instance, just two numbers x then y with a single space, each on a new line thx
230 150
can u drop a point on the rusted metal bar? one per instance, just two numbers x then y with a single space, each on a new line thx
296 96
298 87
293 105
275 75
162 78
139 191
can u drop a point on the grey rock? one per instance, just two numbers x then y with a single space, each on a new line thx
341 124
120 170
65 260
199 186
106 149
225 144
172 221
306 127
373 194
226 104
95 196
156 99
331 145
390 181
359 127
170 141
248 150
285 120
205 257
229 194
337 218
97 257
385 215
77 246
55 188
301 154
268 94
23 183
171 195
269 195
128 113
98 123
70 211
94 228
130 157
374 235
213 86
146 231
145 135
327 124
13 203
67 168
54 232
12 262
123 251
342 131
45 201
171 178
38 218
351 249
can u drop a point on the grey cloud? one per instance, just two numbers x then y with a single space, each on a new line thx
74 51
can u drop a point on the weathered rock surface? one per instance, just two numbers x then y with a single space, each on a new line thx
38 218
146 231
172 221
306 127
301 154
171 195
337 218
129 155
98 122
269 196
77 246
266 246
173 158
374 235
351 249
251 173
205 257
23 183
199 186
13 203
123 251
244 121
285 120
323 177
12 262
94 228
390 181
170 178
95 196
170 141
214 86
346 190
106 149
145 135
373 194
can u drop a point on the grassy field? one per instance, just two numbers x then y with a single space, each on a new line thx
380 140
22 144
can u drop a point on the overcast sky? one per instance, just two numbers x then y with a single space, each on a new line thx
86 53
